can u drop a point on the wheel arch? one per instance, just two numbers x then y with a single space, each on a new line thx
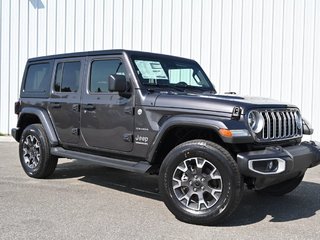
191 127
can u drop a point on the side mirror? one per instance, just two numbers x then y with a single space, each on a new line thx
117 83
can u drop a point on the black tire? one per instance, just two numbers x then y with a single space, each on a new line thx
230 182
282 188
34 152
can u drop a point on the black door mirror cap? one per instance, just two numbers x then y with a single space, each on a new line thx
117 83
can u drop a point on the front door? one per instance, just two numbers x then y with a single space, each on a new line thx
64 104
106 117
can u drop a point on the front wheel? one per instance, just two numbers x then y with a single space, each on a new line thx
200 182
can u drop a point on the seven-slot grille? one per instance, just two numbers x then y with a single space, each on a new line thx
279 124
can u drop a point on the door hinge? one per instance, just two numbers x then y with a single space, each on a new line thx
236 113
129 110
75 131
76 107
128 137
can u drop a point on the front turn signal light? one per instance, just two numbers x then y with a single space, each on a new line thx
234 133
225 132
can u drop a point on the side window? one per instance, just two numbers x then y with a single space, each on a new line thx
37 79
101 70
67 77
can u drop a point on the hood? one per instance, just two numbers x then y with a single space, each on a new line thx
217 103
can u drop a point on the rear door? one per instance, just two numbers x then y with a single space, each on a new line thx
64 104
106 117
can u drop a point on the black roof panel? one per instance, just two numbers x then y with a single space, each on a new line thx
101 52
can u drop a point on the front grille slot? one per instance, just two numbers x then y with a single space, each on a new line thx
279 124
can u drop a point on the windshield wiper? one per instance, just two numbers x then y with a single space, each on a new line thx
179 89
199 89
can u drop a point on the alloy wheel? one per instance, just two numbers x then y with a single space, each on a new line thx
197 183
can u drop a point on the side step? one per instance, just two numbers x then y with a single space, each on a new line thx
138 167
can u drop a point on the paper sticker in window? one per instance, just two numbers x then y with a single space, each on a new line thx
151 69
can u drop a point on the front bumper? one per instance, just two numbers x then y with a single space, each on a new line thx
277 164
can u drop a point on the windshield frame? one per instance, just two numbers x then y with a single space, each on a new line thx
173 87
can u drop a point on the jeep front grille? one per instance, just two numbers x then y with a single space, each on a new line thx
279 124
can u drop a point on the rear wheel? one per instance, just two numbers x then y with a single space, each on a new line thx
34 151
200 182
283 187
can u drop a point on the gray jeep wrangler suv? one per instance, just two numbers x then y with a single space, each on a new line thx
153 113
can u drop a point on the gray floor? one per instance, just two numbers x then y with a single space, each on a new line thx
82 201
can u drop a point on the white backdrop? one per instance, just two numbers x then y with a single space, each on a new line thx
268 48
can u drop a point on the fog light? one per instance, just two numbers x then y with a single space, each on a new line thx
267 166
270 166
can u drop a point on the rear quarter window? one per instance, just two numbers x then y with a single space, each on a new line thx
37 80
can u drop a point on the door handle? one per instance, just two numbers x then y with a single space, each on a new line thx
55 105
89 107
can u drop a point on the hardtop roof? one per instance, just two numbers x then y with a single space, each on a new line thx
103 52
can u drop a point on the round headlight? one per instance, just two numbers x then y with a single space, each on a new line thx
255 121
298 119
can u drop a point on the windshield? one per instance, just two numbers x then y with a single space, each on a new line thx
166 72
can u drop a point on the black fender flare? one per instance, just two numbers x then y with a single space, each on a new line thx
183 120
45 121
